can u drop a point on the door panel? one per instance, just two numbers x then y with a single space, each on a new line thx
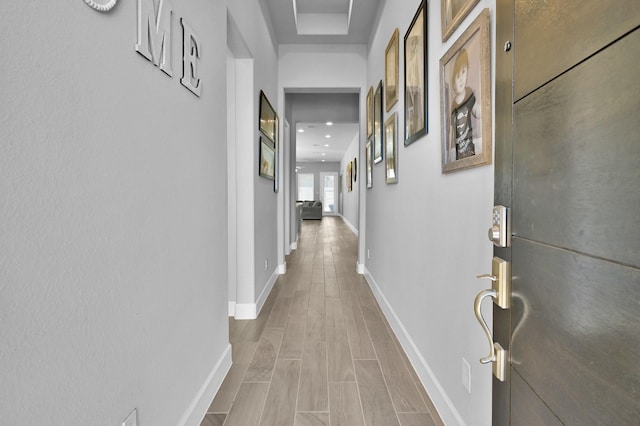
577 157
529 409
576 340
554 35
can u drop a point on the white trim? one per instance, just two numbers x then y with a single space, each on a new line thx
349 225
232 309
294 245
445 407
250 311
198 408
245 311
282 268
360 268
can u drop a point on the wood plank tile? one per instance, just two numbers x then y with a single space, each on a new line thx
279 313
357 333
415 419
313 394
376 402
242 353
312 419
213 420
344 405
293 341
248 405
430 407
340 364
280 407
264 359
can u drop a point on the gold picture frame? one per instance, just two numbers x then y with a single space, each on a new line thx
416 118
391 149
267 118
267 166
453 13
465 99
370 112
391 79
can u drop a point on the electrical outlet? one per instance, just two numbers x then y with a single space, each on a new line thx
466 375
368 253
266 264
132 419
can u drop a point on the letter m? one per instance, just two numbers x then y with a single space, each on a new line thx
154 33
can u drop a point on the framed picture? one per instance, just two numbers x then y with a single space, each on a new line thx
355 169
276 184
415 77
465 101
391 71
377 124
267 121
370 112
369 161
267 166
453 13
349 177
390 150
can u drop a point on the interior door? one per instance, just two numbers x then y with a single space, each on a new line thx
568 169
329 192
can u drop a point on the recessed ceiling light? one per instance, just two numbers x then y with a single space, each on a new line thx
300 130
323 154
323 161
326 145
327 136
329 123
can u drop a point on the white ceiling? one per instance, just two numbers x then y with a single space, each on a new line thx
322 21
311 145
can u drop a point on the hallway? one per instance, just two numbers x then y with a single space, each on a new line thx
321 352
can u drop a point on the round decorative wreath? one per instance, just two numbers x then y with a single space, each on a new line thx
101 7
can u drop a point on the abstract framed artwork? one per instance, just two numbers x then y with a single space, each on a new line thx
465 99
453 13
415 77
391 55
369 161
267 166
390 151
377 124
267 118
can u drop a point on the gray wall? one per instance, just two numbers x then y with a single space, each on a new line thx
112 177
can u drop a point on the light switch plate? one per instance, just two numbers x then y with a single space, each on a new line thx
132 419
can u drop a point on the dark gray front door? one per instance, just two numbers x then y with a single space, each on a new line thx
568 166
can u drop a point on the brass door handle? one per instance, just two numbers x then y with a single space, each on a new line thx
477 305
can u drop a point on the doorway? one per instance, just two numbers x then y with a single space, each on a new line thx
329 193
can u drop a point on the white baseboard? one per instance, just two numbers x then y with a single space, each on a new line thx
446 409
349 225
282 268
232 309
250 311
360 268
294 245
198 408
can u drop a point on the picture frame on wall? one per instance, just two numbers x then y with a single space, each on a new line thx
276 184
267 165
415 77
377 124
453 13
391 78
370 112
369 161
391 150
267 118
355 169
349 178
465 99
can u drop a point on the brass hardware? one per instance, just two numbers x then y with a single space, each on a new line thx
500 291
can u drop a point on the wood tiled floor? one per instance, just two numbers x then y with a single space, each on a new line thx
321 352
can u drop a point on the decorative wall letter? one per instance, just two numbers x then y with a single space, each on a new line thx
154 33
190 54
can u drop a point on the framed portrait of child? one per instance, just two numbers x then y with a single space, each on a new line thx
465 99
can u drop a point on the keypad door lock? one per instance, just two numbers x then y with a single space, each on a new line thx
500 231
